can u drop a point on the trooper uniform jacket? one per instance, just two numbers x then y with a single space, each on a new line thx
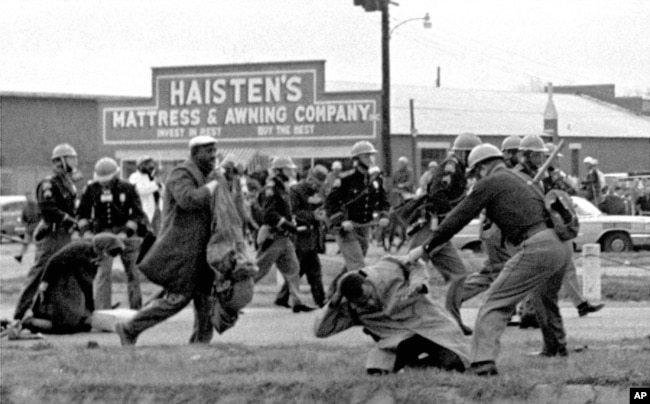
56 197
309 233
356 196
112 207
276 204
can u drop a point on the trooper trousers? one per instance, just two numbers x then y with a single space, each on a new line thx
103 283
282 253
538 268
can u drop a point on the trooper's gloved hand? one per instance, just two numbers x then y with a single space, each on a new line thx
383 222
68 222
347 225
415 254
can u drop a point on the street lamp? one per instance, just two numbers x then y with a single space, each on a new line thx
386 32
426 23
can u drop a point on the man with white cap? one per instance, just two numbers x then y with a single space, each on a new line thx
111 205
593 183
177 261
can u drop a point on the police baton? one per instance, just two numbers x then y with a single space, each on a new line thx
547 163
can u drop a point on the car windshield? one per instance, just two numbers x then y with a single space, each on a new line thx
585 208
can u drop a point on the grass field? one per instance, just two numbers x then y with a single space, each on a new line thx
283 374
316 372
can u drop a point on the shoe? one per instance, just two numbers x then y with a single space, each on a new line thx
125 339
302 308
18 258
528 322
487 368
545 354
377 372
585 308
282 303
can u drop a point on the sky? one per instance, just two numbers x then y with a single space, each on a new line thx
108 47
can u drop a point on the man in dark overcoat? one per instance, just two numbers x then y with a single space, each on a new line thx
177 261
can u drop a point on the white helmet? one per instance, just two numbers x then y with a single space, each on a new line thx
105 169
482 153
363 147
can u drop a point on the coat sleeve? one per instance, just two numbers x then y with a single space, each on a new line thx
418 274
48 196
332 320
136 214
84 211
143 185
186 191
304 215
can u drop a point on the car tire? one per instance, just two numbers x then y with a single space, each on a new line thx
616 242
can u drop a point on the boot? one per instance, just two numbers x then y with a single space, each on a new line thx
585 308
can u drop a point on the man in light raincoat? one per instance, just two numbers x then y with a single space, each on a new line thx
389 299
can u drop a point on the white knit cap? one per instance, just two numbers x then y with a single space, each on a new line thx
202 141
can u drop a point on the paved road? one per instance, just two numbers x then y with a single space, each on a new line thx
271 326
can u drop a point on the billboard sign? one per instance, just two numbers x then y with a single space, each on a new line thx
242 103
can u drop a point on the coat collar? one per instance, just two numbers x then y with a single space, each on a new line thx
196 172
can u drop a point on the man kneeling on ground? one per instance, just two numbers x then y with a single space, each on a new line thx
64 302
390 300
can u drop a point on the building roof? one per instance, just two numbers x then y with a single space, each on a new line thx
86 97
447 111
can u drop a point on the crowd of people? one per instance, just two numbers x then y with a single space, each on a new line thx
188 234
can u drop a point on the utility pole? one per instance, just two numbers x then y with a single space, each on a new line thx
414 140
383 6
385 88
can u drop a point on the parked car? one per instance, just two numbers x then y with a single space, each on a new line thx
11 209
614 233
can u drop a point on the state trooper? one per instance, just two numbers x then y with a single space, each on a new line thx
56 196
497 251
353 201
274 236
111 205
307 207
557 179
510 150
532 152
447 188
537 268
